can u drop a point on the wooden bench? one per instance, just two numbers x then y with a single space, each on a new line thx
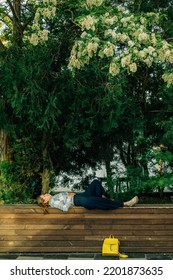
144 228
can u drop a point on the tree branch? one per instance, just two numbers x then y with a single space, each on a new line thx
170 39
13 11
2 47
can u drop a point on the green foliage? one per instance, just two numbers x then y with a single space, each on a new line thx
157 183
161 162
110 187
11 188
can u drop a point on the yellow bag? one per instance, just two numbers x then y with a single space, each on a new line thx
110 247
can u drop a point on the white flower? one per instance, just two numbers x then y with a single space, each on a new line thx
153 39
53 11
142 20
114 69
37 16
124 22
111 20
133 67
34 39
143 37
126 60
89 23
120 9
171 57
108 32
109 50
130 43
47 13
151 49
54 2
35 27
84 34
161 55
148 61
74 63
168 78
91 3
123 38
43 35
92 48
135 51
142 54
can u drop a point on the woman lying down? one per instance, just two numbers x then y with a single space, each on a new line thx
94 197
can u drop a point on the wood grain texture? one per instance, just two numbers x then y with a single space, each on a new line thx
144 228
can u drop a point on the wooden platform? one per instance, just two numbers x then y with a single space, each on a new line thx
144 228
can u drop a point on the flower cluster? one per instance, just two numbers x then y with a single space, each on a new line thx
41 35
96 3
46 11
89 23
126 40
168 78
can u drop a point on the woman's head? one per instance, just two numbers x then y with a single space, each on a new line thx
43 201
44 198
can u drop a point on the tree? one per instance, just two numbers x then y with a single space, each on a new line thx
64 122
31 76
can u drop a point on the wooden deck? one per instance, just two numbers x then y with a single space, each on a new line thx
144 228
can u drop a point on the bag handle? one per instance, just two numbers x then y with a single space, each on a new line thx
123 256
120 255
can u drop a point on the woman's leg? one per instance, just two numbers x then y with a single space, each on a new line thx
93 202
95 189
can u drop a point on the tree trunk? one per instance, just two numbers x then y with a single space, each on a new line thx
17 27
46 174
4 148
45 180
108 168
15 7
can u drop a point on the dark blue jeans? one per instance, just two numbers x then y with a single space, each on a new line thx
92 198
95 189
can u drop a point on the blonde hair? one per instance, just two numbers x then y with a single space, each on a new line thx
44 206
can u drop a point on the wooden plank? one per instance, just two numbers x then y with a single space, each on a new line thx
55 221
146 243
13 226
34 208
87 216
92 227
84 238
87 232
42 227
50 249
45 232
42 237
22 206
132 238
83 249
88 226
129 216
38 216
47 243
127 227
